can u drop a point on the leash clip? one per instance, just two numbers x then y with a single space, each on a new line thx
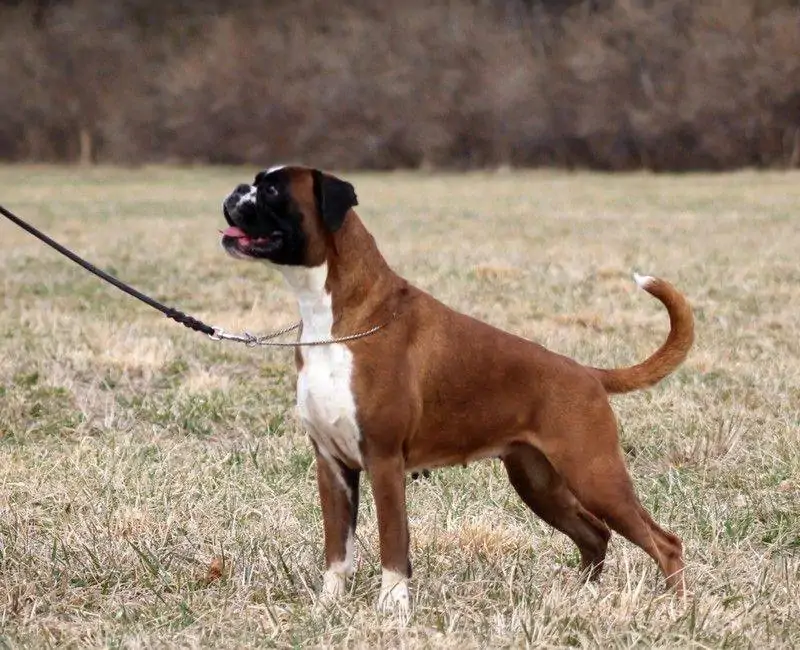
247 338
220 334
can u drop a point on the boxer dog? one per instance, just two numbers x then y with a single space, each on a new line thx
431 387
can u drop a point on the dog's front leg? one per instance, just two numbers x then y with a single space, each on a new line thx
338 491
387 475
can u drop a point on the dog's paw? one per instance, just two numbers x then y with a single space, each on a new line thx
334 586
394 597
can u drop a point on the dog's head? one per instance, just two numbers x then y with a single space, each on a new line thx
286 216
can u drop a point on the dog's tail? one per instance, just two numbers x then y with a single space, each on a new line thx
672 352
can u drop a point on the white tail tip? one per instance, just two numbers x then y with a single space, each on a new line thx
643 280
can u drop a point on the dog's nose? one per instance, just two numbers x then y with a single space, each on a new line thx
231 203
229 207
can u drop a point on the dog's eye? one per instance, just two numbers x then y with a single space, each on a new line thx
271 190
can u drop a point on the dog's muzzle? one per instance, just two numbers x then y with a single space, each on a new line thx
232 206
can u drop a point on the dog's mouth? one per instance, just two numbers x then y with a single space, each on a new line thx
236 240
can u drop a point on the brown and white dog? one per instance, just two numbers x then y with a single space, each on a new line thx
434 387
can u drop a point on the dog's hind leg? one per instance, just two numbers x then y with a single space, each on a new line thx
338 490
604 487
545 493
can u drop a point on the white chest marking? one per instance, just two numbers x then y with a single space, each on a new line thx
325 400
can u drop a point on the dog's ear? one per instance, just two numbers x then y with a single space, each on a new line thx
334 197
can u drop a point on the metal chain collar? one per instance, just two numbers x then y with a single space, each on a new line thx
252 341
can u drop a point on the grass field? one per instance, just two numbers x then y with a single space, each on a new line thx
156 490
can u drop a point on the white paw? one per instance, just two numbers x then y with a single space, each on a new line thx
394 597
334 585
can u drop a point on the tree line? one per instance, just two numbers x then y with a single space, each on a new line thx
600 84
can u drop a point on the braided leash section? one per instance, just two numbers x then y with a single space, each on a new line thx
188 321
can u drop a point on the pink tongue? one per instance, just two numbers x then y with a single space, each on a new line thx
242 236
233 231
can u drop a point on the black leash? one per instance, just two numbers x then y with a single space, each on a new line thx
215 333
169 312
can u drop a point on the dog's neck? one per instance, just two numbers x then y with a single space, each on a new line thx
352 284
358 273
313 298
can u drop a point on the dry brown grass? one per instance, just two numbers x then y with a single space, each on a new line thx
155 489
